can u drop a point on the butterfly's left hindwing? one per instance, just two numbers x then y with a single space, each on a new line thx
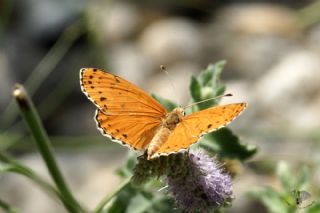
132 131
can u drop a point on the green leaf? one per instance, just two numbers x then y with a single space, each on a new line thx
207 86
7 207
169 105
303 179
227 145
8 164
314 207
122 199
286 177
127 169
195 89
272 200
139 204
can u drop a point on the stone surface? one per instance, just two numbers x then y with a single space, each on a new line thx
251 37
113 21
129 62
6 81
260 19
90 175
289 89
179 76
171 40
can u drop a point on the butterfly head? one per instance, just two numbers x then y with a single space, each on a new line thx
174 117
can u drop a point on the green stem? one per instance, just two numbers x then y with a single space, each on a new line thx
41 139
16 167
309 15
45 67
7 208
108 197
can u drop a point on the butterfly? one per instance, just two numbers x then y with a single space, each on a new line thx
130 116
300 197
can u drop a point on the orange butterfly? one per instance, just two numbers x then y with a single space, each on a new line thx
132 117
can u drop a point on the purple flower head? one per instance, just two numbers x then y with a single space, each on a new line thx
157 167
203 187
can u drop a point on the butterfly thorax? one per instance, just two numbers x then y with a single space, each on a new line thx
173 118
167 126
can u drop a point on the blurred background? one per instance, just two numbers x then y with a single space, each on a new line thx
272 49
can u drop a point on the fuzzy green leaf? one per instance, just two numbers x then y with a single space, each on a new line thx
127 169
207 85
272 200
169 105
122 200
313 208
228 145
195 89
285 175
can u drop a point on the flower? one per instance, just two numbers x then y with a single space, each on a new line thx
203 187
157 167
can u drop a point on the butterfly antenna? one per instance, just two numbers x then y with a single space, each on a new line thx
199 102
164 69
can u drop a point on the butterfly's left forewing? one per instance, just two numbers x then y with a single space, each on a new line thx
125 112
193 126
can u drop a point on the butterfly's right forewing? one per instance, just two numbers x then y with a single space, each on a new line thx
193 126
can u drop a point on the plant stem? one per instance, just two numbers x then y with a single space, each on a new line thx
108 197
41 139
309 15
17 167
6 207
45 67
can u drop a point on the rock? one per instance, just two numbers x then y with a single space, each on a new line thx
179 75
90 176
260 19
171 40
251 37
251 57
129 62
6 82
313 38
286 93
113 21
47 18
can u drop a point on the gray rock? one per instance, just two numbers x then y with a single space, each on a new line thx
289 89
171 40
179 75
313 38
47 18
251 37
260 19
113 21
90 175
129 62
6 82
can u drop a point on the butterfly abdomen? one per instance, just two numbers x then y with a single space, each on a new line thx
166 128
159 139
